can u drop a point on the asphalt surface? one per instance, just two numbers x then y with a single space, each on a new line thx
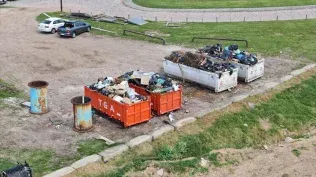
126 8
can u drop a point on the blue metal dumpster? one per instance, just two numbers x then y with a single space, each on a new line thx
38 97
82 114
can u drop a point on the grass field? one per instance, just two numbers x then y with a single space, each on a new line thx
291 38
205 4
237 127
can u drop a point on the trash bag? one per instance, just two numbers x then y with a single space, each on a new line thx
18 171
233 47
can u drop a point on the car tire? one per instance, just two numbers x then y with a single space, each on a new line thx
73 35
53 31
89 29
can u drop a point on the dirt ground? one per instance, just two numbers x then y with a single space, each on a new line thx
69 64
277 161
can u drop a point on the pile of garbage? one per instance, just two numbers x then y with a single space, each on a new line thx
199 61
231 52
117 90
152 82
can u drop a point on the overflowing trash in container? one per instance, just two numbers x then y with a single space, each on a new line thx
120 92
165 93
153 82
231 52
199 61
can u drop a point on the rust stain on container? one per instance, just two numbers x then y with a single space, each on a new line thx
82 114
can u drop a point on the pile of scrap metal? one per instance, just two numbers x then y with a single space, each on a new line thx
152 82
200 61
109 19
230 53
21 170
117 90
79 15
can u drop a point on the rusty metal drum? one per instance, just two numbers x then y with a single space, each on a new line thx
82 114
38 97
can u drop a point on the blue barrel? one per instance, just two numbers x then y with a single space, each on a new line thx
38 97
82 114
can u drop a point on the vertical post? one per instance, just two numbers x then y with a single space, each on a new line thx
216 19
129 16
244 19
187 19
202 19
277 17
156 18
306 16
61 5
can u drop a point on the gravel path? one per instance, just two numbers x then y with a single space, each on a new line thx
127 8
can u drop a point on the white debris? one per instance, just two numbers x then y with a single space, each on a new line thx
204 162
160 172
171 117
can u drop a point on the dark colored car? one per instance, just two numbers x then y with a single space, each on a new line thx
73 28
3 2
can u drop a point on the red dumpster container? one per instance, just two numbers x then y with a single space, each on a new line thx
162 103
127 114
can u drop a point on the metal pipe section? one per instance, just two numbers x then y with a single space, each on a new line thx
82 114
222 39
38 97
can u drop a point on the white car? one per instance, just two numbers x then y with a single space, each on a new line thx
51 25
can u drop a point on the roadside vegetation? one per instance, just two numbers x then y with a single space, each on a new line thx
287 108
45 161
41 161
292 39
206 4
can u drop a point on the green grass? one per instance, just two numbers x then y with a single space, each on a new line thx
293 109
8 90
45 161
92 146
296 152
205 4
294 38
41 161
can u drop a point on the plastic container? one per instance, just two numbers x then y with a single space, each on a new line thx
127 114
82 114
162 103
218 83
248 73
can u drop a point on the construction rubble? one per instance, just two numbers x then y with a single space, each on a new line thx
200 61
229 53
118 91
152 82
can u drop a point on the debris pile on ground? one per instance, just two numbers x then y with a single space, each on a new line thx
118 91
80 15
231 52
152 82
199 61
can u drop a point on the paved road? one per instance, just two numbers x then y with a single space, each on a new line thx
126 8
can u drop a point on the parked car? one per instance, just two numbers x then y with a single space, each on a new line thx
73 28
51 25
3 2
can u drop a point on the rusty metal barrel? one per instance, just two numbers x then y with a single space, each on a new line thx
38 97
82 114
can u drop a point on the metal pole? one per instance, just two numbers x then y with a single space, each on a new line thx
61 5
